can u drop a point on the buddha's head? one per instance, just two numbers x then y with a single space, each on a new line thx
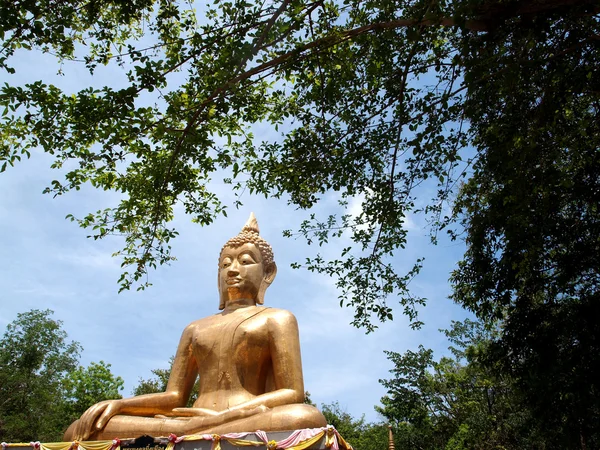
246 266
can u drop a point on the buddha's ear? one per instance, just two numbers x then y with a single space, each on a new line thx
221 299
270 272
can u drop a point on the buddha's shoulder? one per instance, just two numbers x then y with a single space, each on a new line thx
202 323
278 314
258 314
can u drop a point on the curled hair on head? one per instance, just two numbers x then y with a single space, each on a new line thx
250 235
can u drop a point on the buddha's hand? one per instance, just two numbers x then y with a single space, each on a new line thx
198 423
241 412
96 418
192 412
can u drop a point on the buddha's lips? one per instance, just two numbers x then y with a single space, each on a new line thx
233 280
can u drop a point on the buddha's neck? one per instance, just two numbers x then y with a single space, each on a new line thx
237 303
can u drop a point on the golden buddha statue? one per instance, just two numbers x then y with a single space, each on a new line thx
247 358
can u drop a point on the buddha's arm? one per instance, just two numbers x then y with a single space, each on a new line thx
181 381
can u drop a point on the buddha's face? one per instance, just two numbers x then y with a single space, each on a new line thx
241 272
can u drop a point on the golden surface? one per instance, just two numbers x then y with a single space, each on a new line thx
247 358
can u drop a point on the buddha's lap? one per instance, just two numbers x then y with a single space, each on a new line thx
279 418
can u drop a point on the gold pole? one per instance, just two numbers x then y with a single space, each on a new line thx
392 446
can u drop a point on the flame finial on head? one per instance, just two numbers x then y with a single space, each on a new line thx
251 225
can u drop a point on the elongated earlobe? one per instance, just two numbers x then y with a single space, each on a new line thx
221 298
270 273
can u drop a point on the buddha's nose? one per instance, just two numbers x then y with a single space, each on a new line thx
233 269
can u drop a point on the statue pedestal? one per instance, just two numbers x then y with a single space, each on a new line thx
305 439
250 439
325 438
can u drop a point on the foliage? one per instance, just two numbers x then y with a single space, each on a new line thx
531 217
307 399
457 403
374 100
42 387
85 387
158 383
35 356
361 435
349 427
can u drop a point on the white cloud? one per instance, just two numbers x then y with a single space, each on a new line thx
88 256
41 291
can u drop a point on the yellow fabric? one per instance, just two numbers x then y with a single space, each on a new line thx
97 445
87 445
329 438
244 443
56 446
343 443
308 442
216 441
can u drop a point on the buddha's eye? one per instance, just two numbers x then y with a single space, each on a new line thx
226 262
246 260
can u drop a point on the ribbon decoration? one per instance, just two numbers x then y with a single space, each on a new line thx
298 440
88 445
75 445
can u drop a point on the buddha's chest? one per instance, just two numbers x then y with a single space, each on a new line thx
231 343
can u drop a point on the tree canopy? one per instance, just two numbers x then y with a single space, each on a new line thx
360 434
86 386
463 402
373 99
42 386
158 383
35 356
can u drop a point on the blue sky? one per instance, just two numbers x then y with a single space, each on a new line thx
47 262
